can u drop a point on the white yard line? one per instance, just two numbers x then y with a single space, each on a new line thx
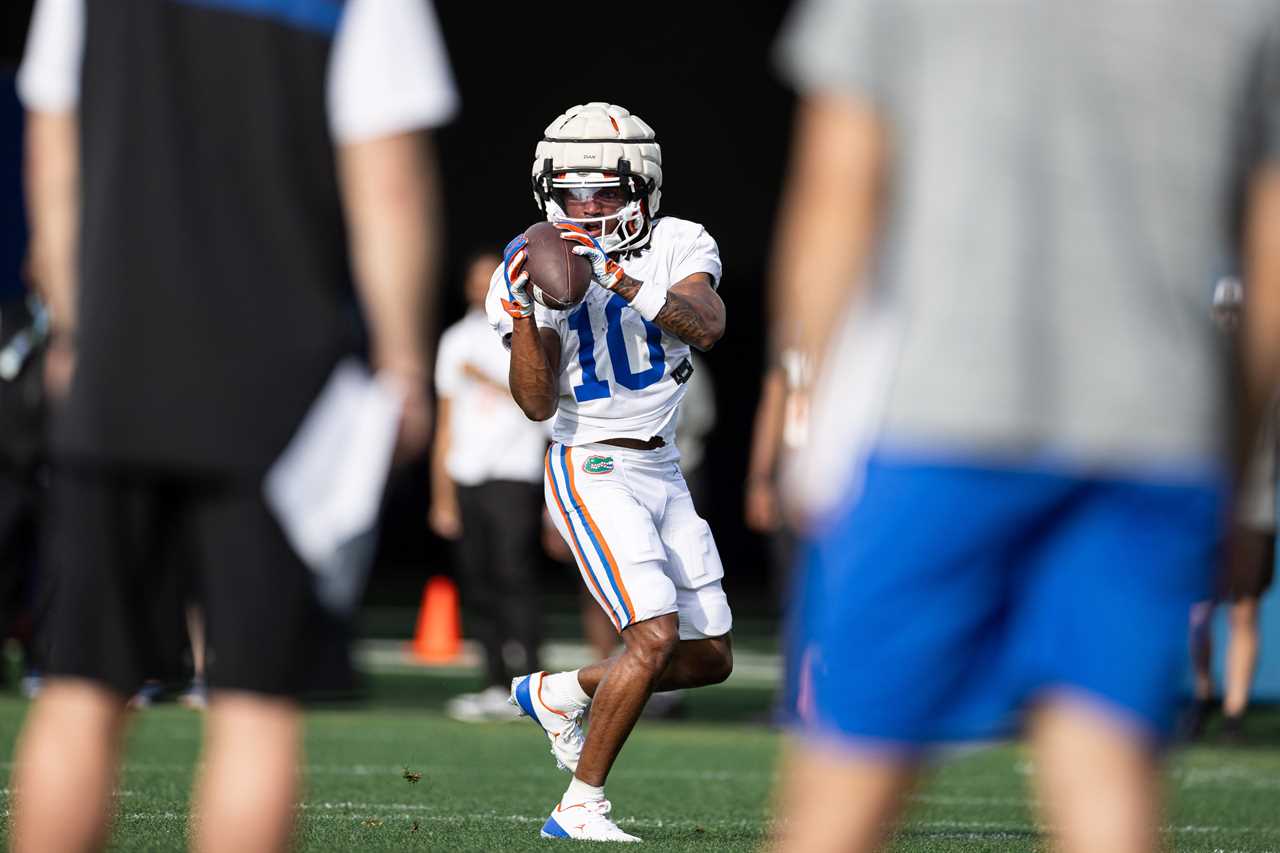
348 810
1226 776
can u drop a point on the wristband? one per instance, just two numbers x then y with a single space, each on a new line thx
649 300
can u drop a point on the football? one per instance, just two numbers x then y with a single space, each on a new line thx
559 277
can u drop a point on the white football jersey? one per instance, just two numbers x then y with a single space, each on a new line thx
620 375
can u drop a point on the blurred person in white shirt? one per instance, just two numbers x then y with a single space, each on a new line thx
486 494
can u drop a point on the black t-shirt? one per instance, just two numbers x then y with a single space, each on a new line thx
215 292
213 255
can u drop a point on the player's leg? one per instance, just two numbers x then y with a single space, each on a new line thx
479 563
556 702
838 803
1252 571
694 663
621 694
620 697
597 630
606 515
515 573
900 625
705 653
500 524
1242 658
99 532
620 556
699 663
1201 639
270 639
481 514
196 696
1101 626
66 767
248 783
1097 777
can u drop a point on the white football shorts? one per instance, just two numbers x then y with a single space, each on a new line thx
642 548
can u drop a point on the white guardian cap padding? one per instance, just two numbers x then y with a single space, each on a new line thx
597 145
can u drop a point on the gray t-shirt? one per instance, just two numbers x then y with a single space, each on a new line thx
1063 191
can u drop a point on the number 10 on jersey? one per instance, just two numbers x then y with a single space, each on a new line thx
594 388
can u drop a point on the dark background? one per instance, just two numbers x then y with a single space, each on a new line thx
702 76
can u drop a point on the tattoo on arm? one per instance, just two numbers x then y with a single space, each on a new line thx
681 316
681 319
628 288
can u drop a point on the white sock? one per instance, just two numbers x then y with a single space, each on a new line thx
565 688
581 792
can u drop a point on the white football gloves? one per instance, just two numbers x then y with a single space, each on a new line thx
604 270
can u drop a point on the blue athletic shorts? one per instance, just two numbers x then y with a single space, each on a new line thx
949 596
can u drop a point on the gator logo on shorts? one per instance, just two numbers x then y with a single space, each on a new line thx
598 464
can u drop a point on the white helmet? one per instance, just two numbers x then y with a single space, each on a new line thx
601 145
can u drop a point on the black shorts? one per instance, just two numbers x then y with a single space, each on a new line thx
124 550
1250 565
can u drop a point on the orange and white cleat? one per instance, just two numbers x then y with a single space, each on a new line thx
561 725
587 821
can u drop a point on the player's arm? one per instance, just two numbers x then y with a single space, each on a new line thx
535 368
53 201
390 194
48 84
443 515
53 193
690 309
829 219
534 375
761 491
1260 341
1259 338
693 311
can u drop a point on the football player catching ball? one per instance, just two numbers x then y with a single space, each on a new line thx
612 369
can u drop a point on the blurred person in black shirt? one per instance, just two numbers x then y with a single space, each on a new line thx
206 179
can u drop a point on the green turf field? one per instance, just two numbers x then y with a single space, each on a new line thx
697 785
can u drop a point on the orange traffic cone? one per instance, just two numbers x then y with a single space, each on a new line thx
438 638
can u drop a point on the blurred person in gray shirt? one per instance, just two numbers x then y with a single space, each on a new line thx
998 228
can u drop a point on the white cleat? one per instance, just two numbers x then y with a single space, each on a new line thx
562 727
584 822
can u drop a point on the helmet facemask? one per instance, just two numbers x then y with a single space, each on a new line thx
623 229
